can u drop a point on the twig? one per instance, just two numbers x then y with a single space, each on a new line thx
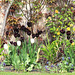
24 14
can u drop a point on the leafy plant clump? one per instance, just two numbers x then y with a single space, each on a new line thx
50 50
24 57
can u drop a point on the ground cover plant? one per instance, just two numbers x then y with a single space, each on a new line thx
31 51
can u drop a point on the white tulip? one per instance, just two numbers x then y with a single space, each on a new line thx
19 43
32 40
5 46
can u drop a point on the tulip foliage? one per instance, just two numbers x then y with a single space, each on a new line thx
23 56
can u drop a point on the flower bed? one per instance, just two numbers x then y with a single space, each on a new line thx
49 47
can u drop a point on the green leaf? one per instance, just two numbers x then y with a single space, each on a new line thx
22 14
72 60
60 22
1 49
65 19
